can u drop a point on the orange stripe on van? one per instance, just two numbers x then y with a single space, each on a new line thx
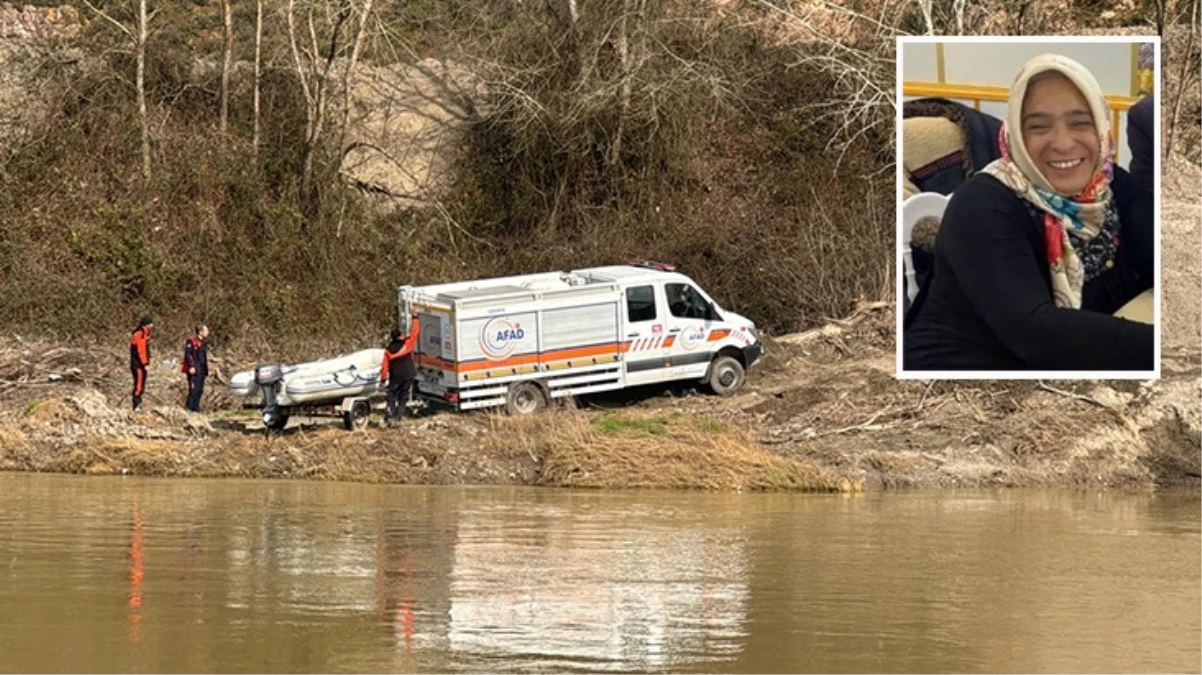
718 335
434 362
524 359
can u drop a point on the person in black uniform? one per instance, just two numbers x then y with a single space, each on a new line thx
139 357
1141 142
399 371
1037 251
196 366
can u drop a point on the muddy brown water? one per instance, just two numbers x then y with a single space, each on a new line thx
127 574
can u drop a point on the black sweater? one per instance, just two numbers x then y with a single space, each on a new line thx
989 303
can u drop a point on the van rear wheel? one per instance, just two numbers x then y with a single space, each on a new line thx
524 398
726 375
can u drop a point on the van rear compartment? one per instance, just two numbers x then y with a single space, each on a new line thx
476 341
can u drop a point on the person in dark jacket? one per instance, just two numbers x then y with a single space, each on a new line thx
399 371
196 366
1036 252
139 357
1141 141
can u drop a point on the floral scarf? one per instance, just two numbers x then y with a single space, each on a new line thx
1083 215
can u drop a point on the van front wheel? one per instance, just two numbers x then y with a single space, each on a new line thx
726 375
524 398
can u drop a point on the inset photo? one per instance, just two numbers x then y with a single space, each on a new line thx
1028 218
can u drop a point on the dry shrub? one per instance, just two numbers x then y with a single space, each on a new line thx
46 413
646 450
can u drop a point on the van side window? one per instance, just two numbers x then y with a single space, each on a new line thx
685 302
640 303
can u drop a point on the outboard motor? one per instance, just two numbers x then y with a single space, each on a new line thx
268 378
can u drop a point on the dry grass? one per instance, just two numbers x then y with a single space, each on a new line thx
650 450
12 440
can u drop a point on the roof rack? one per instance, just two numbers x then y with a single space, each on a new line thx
663 267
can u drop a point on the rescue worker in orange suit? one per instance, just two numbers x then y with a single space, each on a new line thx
196 366
399 371
139 357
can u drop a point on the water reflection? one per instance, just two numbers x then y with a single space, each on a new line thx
558 587
229 576
136 575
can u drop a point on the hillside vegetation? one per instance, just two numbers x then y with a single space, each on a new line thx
751 144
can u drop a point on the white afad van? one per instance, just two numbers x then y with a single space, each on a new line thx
522 341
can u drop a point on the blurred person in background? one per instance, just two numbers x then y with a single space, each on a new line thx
1142 142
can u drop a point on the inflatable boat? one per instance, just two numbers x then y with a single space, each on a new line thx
315 382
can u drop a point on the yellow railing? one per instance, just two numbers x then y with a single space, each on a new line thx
978 93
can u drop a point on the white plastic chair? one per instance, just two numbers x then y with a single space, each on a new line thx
914 209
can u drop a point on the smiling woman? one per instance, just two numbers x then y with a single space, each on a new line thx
1037 251
1059 133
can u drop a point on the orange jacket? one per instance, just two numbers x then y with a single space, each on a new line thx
139 346
397 350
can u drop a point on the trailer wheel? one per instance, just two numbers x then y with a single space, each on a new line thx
524 398
726 375
357 416
275 420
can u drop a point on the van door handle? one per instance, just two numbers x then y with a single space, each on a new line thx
632 335
674 330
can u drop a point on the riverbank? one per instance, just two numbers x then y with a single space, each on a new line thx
821 412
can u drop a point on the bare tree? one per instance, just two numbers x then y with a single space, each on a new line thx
258 76
1186 61
944 18
958 13
574 31
143 117
1159 13
624 61
227 9
313 70
137 36
364 14
928 16
1167 13
861 62
1019 10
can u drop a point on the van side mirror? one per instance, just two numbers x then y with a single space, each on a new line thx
712 313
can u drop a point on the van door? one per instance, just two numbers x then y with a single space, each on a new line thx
435 352
645 334
690 322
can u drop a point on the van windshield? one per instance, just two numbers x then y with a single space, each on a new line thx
685 302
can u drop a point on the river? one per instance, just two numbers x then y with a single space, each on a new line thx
128 574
